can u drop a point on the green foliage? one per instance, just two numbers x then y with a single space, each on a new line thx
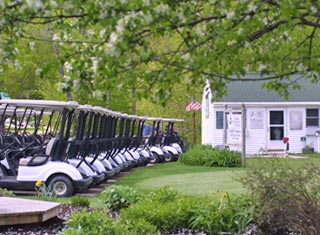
98 222
95 223
159 210
163 195
44 192
6 193
166 210
139 226
148 45
80 201
206 155
288 197
165 217
117 197
213 215
175 107
223 214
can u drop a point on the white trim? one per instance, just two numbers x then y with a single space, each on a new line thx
265 104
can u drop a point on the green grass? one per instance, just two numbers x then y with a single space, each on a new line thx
196 183
196 180
189 180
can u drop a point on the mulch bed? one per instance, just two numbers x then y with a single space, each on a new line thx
55 225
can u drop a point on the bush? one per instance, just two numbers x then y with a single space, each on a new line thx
223 214
288 198
117 197
80 201
82 223
213 215
167 211
6 193
139 226
163 195
206 155
164 216
98 222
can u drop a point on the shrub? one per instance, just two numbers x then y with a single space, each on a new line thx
206 155
82 223
164 217
117 197
288 198
80 201
139 226
6 193
163 195
98 222
165 210
223 214
212 215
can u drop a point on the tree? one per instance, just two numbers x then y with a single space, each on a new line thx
175 108
216 39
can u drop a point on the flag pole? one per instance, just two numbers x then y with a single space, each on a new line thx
194 122
194 128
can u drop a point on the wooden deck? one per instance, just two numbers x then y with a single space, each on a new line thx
25 211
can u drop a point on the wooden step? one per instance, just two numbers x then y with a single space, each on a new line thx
25 211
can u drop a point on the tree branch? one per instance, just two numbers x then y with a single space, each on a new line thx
47 19
261 32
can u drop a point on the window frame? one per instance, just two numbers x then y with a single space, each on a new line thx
310 118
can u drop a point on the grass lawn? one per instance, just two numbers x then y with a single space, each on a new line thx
193 180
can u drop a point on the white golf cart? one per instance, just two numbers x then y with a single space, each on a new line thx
22 162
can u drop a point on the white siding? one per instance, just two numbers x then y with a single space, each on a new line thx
207 117
256 136
295 142
257 132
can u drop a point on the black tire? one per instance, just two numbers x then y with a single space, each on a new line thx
169 157
61 186
2 172
154 158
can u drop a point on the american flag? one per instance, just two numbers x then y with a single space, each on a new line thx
194 105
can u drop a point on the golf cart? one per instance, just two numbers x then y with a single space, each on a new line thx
37 150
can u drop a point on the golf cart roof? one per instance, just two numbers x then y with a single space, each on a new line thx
46 104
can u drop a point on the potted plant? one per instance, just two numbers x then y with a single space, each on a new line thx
308 149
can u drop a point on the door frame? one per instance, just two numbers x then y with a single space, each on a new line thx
275 143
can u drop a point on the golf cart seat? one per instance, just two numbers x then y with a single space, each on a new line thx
39 159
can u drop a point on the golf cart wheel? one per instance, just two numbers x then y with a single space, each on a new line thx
154 158
2 172
61 186
169 157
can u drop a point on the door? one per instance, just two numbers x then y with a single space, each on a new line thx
276 129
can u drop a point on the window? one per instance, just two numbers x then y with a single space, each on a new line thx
312 117
219 119
276 124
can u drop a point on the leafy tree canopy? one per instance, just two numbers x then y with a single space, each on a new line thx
120 42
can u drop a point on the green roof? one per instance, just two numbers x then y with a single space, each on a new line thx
252 91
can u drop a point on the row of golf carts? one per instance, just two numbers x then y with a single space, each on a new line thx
71 147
